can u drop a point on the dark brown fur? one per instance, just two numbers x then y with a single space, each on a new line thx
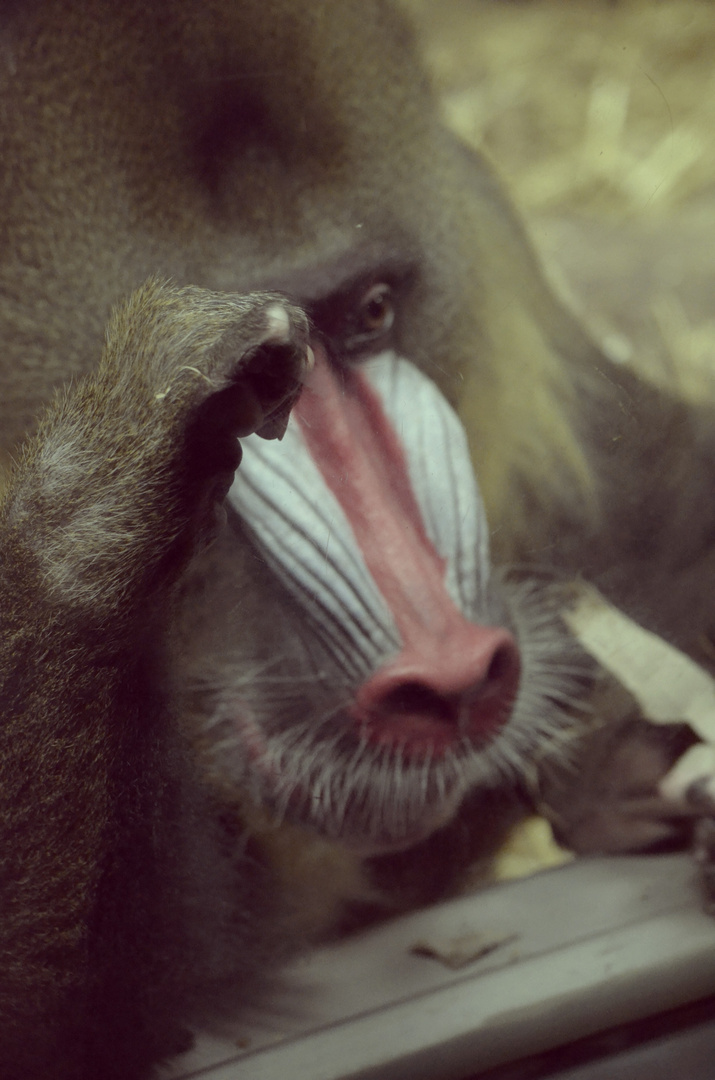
97 913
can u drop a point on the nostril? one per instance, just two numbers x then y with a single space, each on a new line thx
450 705
415 698
432 697
502 675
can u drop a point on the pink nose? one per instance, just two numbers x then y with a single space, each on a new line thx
452 680
463 688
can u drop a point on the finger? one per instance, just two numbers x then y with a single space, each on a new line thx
691 781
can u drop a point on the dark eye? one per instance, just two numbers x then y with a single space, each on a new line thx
362 319
369 320
377 311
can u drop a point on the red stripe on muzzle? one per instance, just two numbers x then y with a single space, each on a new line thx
451 676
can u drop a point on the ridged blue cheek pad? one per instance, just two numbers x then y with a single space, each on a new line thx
298 523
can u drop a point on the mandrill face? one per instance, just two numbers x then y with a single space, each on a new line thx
397 676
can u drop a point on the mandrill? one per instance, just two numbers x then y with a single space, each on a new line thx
227 221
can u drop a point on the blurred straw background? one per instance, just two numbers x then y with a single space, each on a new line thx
600 116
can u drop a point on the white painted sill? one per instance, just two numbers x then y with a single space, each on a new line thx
594 944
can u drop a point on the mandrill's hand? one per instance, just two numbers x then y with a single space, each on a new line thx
127 475
110 500
643 776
